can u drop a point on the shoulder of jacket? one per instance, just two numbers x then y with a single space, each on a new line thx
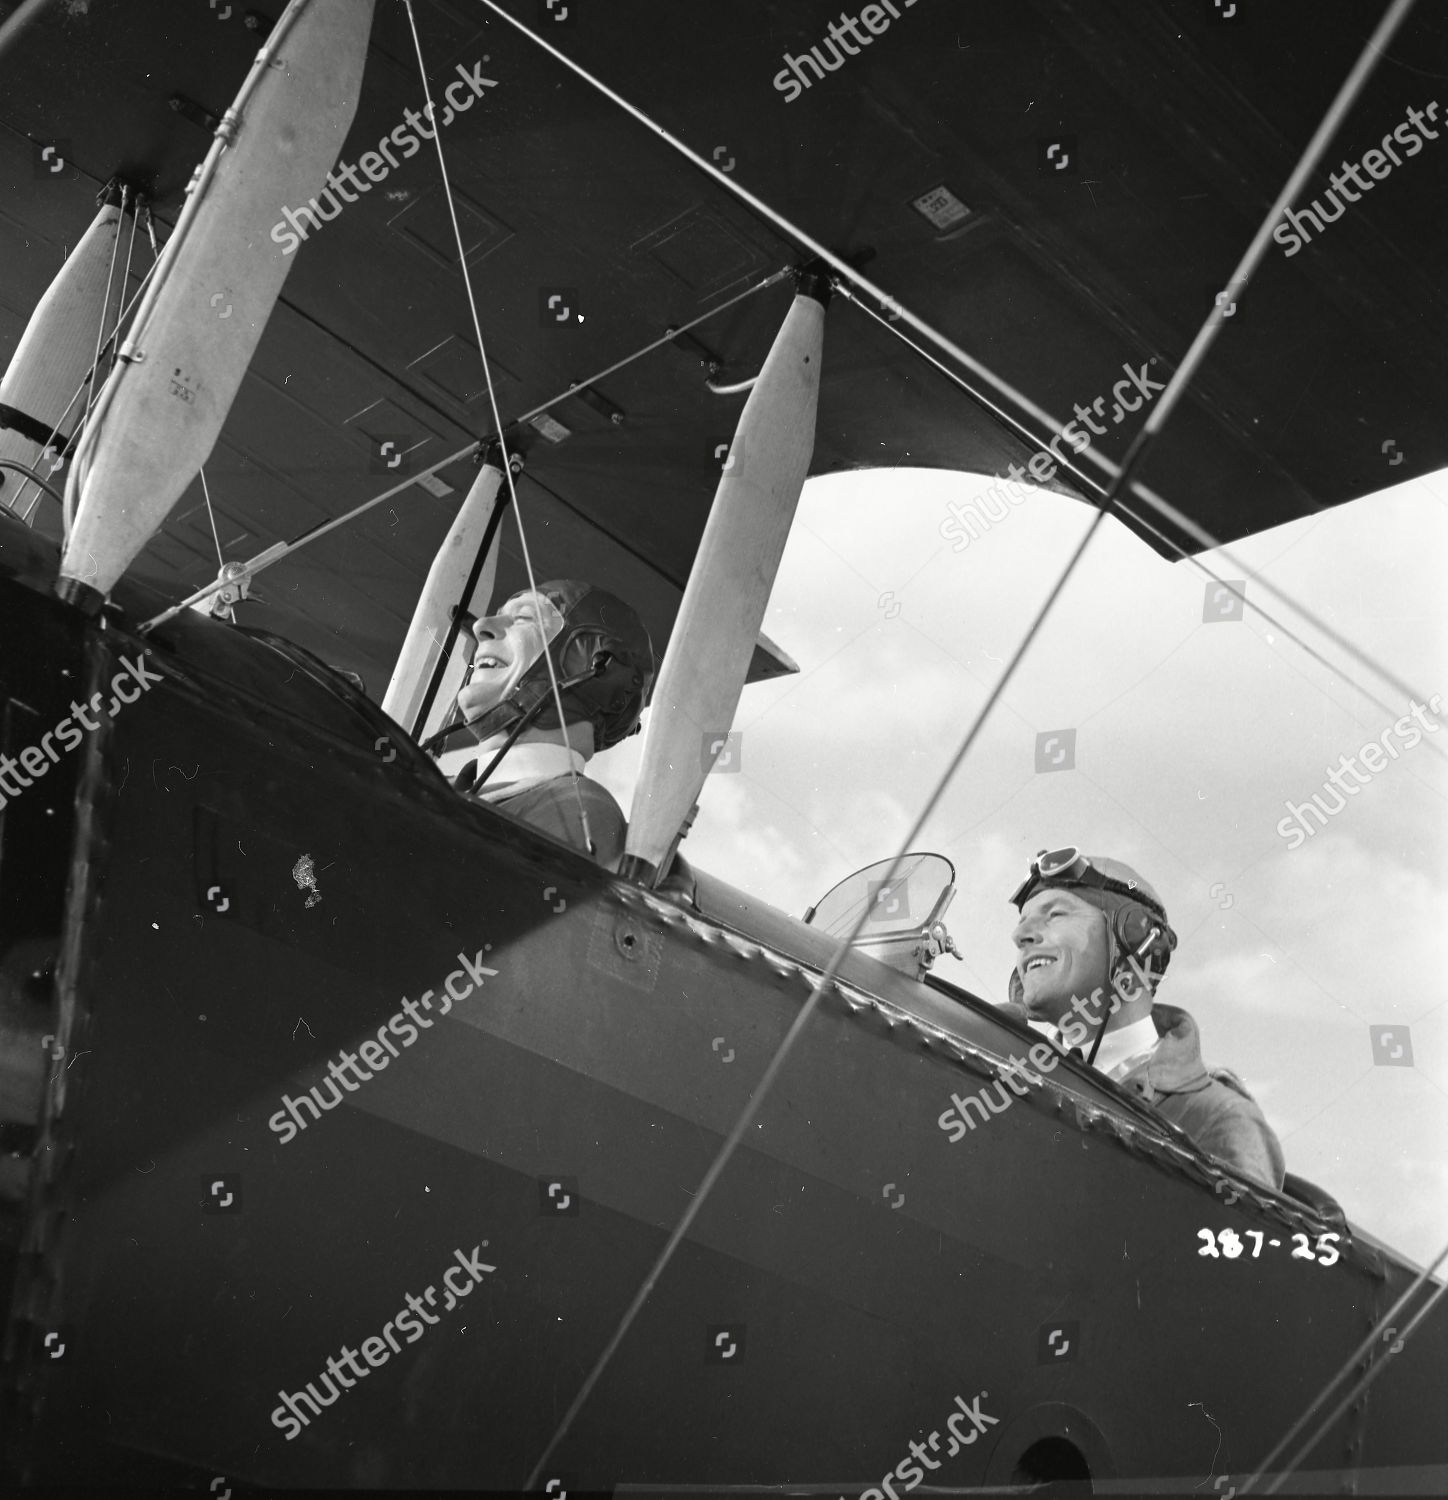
1228 1077
595 791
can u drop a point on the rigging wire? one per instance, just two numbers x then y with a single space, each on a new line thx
69 516
1155 421
1368 59
40 488
31 477
279 550
1194 358
106 299
121 309
125 312
1229 559
126 278
1356 1391
667 337
1307 164
1383 1323
109 346
206 495
203 182
1135 453
431 116
807 1010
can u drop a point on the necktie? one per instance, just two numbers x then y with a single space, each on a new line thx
464 779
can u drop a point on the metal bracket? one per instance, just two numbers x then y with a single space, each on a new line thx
491 452
198 114
237 579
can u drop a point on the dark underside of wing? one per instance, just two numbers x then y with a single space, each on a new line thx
1062 187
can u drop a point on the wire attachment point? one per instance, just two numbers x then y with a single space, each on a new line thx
235 579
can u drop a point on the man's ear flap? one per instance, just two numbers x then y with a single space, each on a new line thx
1131 981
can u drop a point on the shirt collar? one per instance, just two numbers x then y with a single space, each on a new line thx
532 761
1124 1045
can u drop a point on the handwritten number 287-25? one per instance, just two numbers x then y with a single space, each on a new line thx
1225 1242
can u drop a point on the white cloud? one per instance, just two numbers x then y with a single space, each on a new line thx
1191 737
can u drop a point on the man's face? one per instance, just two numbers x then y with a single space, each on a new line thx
508 643
1061 951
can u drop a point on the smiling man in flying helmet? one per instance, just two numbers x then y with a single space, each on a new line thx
524 762
1092 944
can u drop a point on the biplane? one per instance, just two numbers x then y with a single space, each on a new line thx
331 293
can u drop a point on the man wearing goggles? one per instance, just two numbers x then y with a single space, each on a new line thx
1089 926
518 757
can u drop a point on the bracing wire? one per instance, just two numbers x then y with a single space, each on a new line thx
431 115
211 515
279 550
126 276
1195 355
1399 1340
197 195
41 488
667 337
1307 164
124 313
67 511
31 477
106 299
1228 558
1136 451
1383 1323
826 979
109 342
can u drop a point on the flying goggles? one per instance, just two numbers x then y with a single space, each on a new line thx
1069 866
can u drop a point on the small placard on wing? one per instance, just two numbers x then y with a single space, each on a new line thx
941 207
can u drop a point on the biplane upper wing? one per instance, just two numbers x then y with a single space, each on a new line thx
1062 189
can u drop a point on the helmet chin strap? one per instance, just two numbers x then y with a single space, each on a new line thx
601 660
1132 965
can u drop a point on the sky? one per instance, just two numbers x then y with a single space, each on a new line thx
1192 736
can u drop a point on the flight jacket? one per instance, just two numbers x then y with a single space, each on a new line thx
552 806
1212 1106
